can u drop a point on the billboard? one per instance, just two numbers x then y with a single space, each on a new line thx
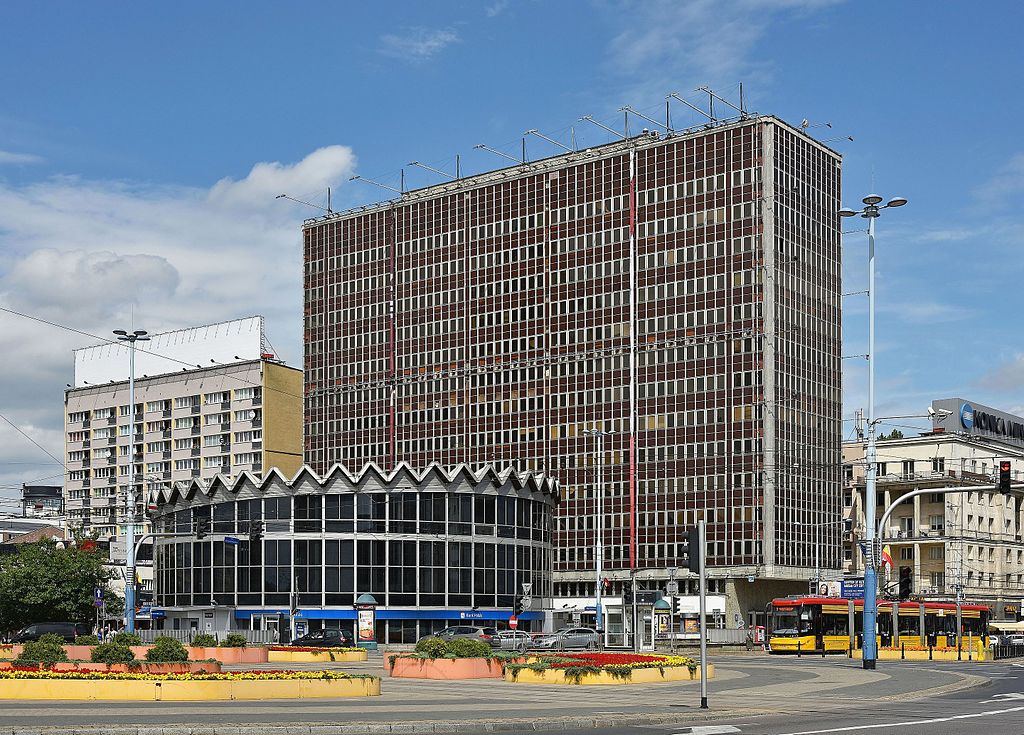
227 342
955 415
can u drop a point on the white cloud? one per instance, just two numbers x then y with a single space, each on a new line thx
673 45
100 255
496 8
417 44
1005 185
9 157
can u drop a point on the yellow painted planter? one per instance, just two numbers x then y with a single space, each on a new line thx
894 654
640 676
313 657
187 691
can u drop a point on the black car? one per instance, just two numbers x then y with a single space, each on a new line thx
327 638
68 631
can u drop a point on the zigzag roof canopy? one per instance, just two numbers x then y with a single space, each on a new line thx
402 475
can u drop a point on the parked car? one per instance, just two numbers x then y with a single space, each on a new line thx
1015 640
568 638
465 631
68 631
511 640
326 638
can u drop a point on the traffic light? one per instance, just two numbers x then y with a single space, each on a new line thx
692 550
202 527
255 531
517 606
905 582
1004 476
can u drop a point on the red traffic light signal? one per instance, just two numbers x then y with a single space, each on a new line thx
1004 476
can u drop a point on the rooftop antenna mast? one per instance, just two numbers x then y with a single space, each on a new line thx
482 147
628 109
308 204
377 183
713 96
549 140
613 131
439 171
677 98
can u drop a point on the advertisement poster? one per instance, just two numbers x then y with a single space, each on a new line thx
366 632
662 625
691 625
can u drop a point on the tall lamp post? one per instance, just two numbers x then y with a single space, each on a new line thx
599 523
872 210
139 335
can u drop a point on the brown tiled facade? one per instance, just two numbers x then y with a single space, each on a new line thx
489 321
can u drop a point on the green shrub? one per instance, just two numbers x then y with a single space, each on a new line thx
234 640
468 648
127 639
204 640
166 649
432 647
112 653
86 640
44 651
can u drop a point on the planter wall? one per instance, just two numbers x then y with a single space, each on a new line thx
640 676
247 655
186 691
444 668
314 656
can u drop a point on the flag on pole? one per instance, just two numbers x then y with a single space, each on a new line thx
887 556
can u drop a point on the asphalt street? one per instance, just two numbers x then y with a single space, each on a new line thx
750 695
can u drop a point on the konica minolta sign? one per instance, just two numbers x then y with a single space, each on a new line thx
957 415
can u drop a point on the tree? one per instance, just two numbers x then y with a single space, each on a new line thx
40 582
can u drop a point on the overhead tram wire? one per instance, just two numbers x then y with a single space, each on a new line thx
104 340
37 444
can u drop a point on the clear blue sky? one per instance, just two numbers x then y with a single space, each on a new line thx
129 134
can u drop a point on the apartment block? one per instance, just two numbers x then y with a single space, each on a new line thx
225 418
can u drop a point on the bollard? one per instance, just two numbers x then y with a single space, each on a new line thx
849 652
798 649
903 651
929 651
823 649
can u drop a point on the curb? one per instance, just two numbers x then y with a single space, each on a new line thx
425 726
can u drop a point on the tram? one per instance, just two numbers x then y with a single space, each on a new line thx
834 624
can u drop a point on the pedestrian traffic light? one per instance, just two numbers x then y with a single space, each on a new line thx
905 582
1004 476
255 531
202 527
692 551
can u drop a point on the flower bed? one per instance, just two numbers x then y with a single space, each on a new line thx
240 655
417 667
605 668
24 683
305 654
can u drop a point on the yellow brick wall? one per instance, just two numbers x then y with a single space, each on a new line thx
282 418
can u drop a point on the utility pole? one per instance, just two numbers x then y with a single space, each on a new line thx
702 543
130 511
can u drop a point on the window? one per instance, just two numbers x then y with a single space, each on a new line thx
216 440
218 397
255 435
937 522
882 469
907 553
939 465
78 417
247 458
249 414
245 394
186 401
216 418
936 553
908 468
937 580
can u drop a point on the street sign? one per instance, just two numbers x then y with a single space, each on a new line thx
513 622
525 602
852 588
672 588
231 541
527 588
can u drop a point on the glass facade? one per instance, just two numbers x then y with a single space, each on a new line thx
415 548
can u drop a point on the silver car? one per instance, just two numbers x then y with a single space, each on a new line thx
472 632
511 640
567 639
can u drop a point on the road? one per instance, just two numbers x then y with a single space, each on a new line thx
751 695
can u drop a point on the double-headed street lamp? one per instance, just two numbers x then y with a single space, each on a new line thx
599 522
139 335
872 210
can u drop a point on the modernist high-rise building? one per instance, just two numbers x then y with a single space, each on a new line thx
680 292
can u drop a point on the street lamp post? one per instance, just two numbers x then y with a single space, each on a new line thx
129 589
871 212
598 523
